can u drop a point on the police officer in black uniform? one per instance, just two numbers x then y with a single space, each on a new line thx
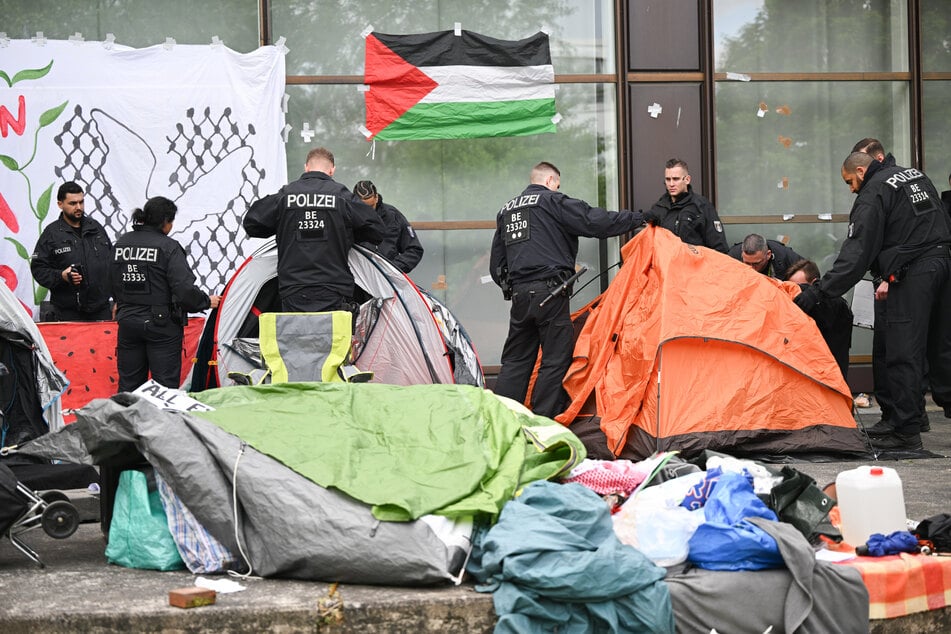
690 216
315 221
154 289
533 252
71 259
899 230
769 257
401 245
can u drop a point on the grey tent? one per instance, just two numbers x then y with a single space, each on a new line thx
287 525
403 335
30 385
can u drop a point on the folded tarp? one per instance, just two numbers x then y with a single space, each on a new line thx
287 525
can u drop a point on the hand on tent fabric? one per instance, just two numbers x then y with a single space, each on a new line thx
652 218
808 299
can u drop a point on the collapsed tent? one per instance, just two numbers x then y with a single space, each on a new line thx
30 384
303 498
403 335
689 349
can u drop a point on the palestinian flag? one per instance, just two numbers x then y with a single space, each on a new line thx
447 86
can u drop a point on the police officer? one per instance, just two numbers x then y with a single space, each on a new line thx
690 216
899 230
154 289
315 221
401 245
533 252
874 148
71 259
769 257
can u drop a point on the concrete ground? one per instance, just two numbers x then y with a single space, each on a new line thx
79 591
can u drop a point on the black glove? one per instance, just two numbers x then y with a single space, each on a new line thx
652 218
809 298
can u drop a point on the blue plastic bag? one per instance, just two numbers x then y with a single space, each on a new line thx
726 541
138 534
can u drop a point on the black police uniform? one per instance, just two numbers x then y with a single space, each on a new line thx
315 221
533 251
692 218
783 258
90 250
898 229
400 245
154 289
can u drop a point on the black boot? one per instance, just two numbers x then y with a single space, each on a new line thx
898 442
881 428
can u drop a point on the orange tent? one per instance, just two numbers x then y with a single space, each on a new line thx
689 349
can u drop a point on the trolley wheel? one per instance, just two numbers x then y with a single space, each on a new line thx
53 496
60 519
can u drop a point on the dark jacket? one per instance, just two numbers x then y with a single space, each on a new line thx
315 221
151 276
896 217
60 246
400 245
536 236
693 219
783 258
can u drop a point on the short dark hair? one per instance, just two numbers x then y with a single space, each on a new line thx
754 243
365 189
155 212
856 159
810 268
69 187
870 146
676 162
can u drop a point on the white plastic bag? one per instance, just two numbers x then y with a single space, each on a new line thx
654 522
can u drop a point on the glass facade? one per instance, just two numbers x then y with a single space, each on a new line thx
782 90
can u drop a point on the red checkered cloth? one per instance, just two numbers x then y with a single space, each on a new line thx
904 584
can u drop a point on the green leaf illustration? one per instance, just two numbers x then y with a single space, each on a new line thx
50 115
21 250
31 73
39 294
9 162
6 78
43 204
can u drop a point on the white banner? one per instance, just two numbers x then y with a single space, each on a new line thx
200 125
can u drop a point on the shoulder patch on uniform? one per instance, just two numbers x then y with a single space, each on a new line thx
851 228
718 226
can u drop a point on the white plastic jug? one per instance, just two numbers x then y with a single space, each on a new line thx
870 501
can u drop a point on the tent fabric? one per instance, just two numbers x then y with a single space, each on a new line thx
32 386
451 450
404 336
305 346
689 349
288 526
553 563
